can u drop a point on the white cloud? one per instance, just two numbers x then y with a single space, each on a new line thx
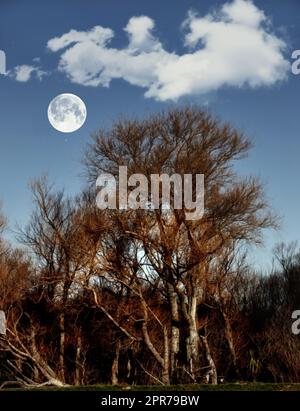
98 35
244 12
231 47
24 73
140 36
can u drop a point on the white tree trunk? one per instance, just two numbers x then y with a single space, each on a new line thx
175 334
213 370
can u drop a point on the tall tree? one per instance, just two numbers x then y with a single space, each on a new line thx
181 252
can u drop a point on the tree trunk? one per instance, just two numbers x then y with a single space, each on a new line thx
43 367
166 363
193 341
230 341
175 335
78 372
35 369
213 370
61 372
193 348
163 360
115 365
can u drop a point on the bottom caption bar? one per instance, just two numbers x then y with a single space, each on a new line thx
98 400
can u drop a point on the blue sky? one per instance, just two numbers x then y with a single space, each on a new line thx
267 111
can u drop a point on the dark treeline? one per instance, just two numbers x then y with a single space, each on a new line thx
148 296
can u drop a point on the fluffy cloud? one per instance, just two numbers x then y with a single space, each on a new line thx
233 46
24 73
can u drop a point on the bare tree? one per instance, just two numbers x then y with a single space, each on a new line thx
54 236
180 251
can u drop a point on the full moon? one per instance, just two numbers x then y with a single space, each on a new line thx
67 113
